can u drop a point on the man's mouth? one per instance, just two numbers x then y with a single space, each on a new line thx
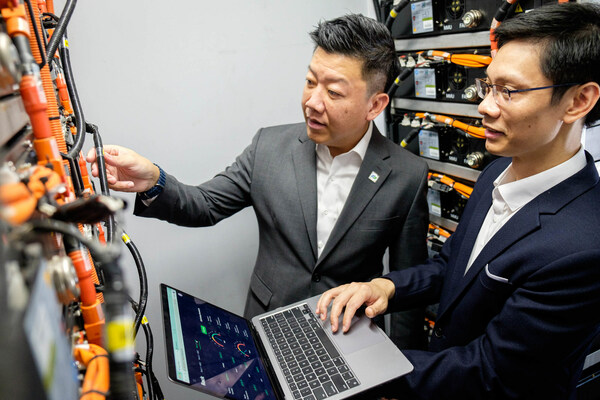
315 124
491 132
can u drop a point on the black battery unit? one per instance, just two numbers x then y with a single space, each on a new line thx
440 142
443 81
436 17
445 202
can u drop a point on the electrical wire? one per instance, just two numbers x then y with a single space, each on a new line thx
466 60
104 254
404 73
151 381
475 131
394 13
499 17
93 129
75 102
60 29
141 309
38 38
438 231
460 188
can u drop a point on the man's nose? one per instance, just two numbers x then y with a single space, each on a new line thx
488 106
315 101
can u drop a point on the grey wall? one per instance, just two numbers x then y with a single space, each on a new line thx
187 84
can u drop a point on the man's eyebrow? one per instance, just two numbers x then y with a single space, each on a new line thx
332 80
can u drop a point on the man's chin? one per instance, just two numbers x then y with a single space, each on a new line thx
317 136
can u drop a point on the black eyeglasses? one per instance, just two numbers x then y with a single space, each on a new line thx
483 88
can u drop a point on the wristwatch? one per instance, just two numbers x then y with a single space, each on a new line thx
156 189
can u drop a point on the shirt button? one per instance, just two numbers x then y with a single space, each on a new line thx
320 244
325 212
316 277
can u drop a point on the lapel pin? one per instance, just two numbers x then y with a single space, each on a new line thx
373 177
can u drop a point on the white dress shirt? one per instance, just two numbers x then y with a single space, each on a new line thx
335 177
509 196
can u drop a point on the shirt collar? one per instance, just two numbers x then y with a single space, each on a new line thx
360 149
518 193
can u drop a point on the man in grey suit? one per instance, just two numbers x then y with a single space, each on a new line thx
330 194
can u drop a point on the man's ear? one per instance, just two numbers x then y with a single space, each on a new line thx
582 101
378 103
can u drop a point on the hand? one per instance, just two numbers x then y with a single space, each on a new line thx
126 171
375 295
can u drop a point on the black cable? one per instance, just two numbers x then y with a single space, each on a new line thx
93 129
61 26
154 388
405 73
408 138
149 355
394 13
75 102
141 309
52 18
502 11
75 175
38 39
378 10
104 254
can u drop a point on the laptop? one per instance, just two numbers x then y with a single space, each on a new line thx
287 353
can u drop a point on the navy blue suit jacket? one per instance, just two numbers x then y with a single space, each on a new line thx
519 323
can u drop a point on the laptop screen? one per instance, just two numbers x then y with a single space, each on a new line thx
211 350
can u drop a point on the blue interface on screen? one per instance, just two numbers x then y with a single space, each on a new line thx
215 351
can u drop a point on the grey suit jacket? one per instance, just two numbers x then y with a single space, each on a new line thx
276 175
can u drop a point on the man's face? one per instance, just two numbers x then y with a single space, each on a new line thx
335 103
528 128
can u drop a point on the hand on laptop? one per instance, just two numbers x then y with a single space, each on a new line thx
349 298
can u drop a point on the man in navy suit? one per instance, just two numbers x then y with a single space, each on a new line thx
518 283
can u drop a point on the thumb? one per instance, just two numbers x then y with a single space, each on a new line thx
376 308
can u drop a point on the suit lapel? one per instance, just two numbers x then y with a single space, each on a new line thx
304 159
518 227
363 190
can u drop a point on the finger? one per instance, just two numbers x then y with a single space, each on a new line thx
337 308
91 155
122 186
95 170
378 307
110 159
110 150
324 301
353 304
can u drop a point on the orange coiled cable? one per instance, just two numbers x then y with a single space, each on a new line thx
95 279
48 85
96 381
446 180
91 307
474 131
438 231
467 60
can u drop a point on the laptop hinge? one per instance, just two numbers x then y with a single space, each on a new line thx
267 362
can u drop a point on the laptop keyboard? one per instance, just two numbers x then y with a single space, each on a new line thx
312 366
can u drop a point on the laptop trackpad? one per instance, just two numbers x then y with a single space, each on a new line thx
361 331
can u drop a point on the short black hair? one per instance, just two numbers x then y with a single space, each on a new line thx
569 39
366 39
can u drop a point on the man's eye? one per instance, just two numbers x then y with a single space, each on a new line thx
334 94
